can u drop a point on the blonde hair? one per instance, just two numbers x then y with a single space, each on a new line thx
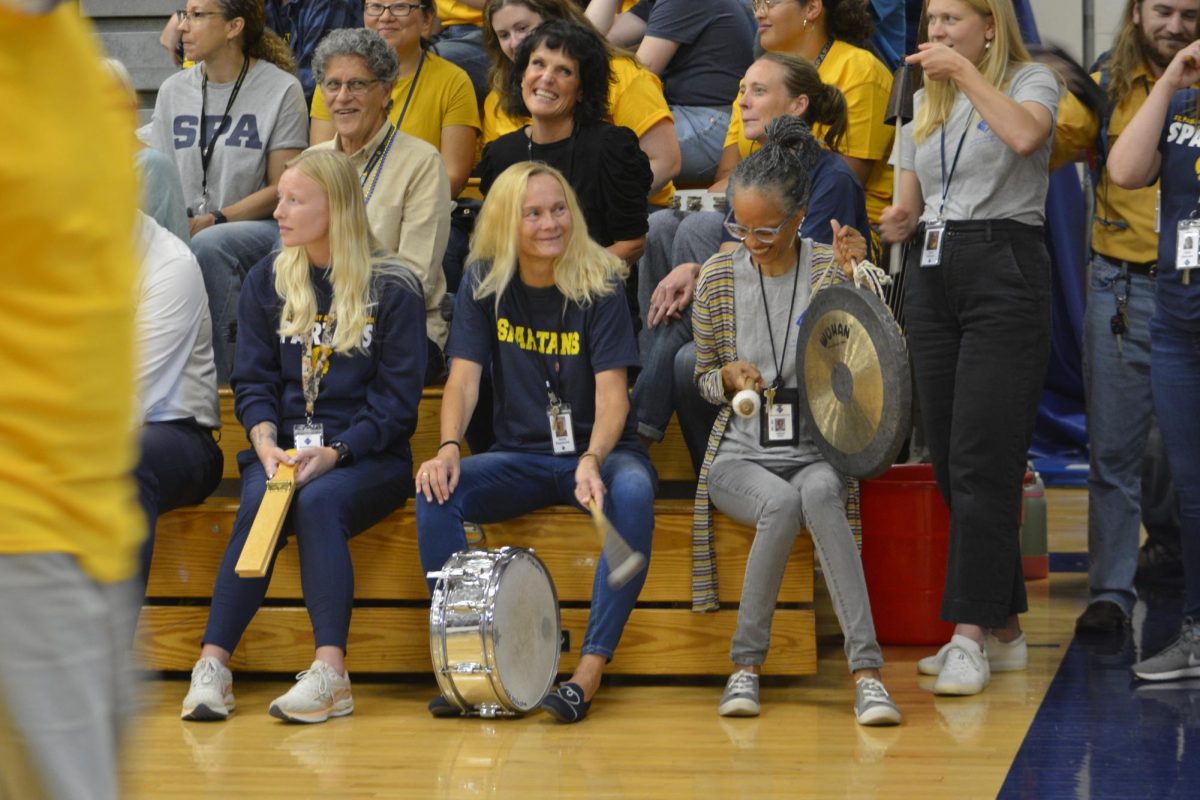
582 273
997 67
352 265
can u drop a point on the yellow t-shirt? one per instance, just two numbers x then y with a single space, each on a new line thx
635 101
866 85
451 12
1076 131
66 340
444 97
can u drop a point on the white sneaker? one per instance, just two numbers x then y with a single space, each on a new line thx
965 670
873 705
1002 656
211 694
319 693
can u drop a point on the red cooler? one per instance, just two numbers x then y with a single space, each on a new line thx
906 537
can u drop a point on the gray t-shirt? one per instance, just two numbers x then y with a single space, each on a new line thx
741 439
991 180
269 114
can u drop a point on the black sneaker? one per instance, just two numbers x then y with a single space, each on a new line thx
566 703
1158 562
441 707
1102 617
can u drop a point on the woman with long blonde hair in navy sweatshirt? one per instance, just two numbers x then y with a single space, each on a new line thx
327 376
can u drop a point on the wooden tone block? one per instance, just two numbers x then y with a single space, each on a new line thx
191 541
655 642
260 543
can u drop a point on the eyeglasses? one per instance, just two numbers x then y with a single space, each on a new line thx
766 5
357 87
763 235
397 9
194 16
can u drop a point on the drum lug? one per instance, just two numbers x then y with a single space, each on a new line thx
468 667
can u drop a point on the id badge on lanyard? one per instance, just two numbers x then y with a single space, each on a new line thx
778 418
562 434
1187 247
931 244
313 366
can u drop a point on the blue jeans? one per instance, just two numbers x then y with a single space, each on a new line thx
179 464
226 253
498 486
323 517
462 45
1175 377
1120 411
701 134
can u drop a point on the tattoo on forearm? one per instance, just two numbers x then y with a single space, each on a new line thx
263 434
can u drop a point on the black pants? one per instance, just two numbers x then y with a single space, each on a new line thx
978 328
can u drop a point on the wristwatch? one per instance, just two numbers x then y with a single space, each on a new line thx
344 456
219 217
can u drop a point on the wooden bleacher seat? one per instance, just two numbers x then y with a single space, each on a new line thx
390 628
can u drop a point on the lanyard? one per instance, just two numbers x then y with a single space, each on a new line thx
207 147
312 370
946 179
412 87
824 52
377 158
518 295
777 358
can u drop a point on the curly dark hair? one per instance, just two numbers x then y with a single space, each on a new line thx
850 21
586 48
258 41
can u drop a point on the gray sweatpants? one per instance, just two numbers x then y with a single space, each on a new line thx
778 504
66 678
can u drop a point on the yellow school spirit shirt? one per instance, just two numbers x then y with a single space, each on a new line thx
67 306
866 84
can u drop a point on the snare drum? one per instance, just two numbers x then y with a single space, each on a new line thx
494 631
691 201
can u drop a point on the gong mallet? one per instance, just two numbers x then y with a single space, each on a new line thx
264 533
746 402
623 561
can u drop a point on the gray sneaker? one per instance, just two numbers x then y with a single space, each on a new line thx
740 698
873 705
210 697
1179 659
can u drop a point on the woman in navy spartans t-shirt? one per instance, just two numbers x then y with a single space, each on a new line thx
542 306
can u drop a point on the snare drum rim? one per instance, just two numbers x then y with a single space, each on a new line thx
487 627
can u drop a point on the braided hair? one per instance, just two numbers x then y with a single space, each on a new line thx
783 166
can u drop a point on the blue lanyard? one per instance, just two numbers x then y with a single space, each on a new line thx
946 179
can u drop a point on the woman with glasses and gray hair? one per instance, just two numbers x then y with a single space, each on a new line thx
403 179
254 116
764 470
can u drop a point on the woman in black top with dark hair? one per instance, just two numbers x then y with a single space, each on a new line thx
560 80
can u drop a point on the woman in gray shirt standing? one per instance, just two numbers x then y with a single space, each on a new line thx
977 300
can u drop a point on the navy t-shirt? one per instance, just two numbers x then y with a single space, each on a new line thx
1180 174
836 194
537 324
716 46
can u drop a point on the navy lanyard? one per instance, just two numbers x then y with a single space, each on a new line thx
553 388
777 359
946 179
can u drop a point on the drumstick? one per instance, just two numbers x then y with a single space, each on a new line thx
623 561
264 533
746 402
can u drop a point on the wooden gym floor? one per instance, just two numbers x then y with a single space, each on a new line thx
1072 725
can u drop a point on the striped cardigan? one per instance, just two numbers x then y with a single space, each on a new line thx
715 330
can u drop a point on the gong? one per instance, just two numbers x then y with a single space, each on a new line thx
855 381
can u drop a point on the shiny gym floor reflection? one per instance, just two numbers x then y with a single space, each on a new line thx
1072 725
